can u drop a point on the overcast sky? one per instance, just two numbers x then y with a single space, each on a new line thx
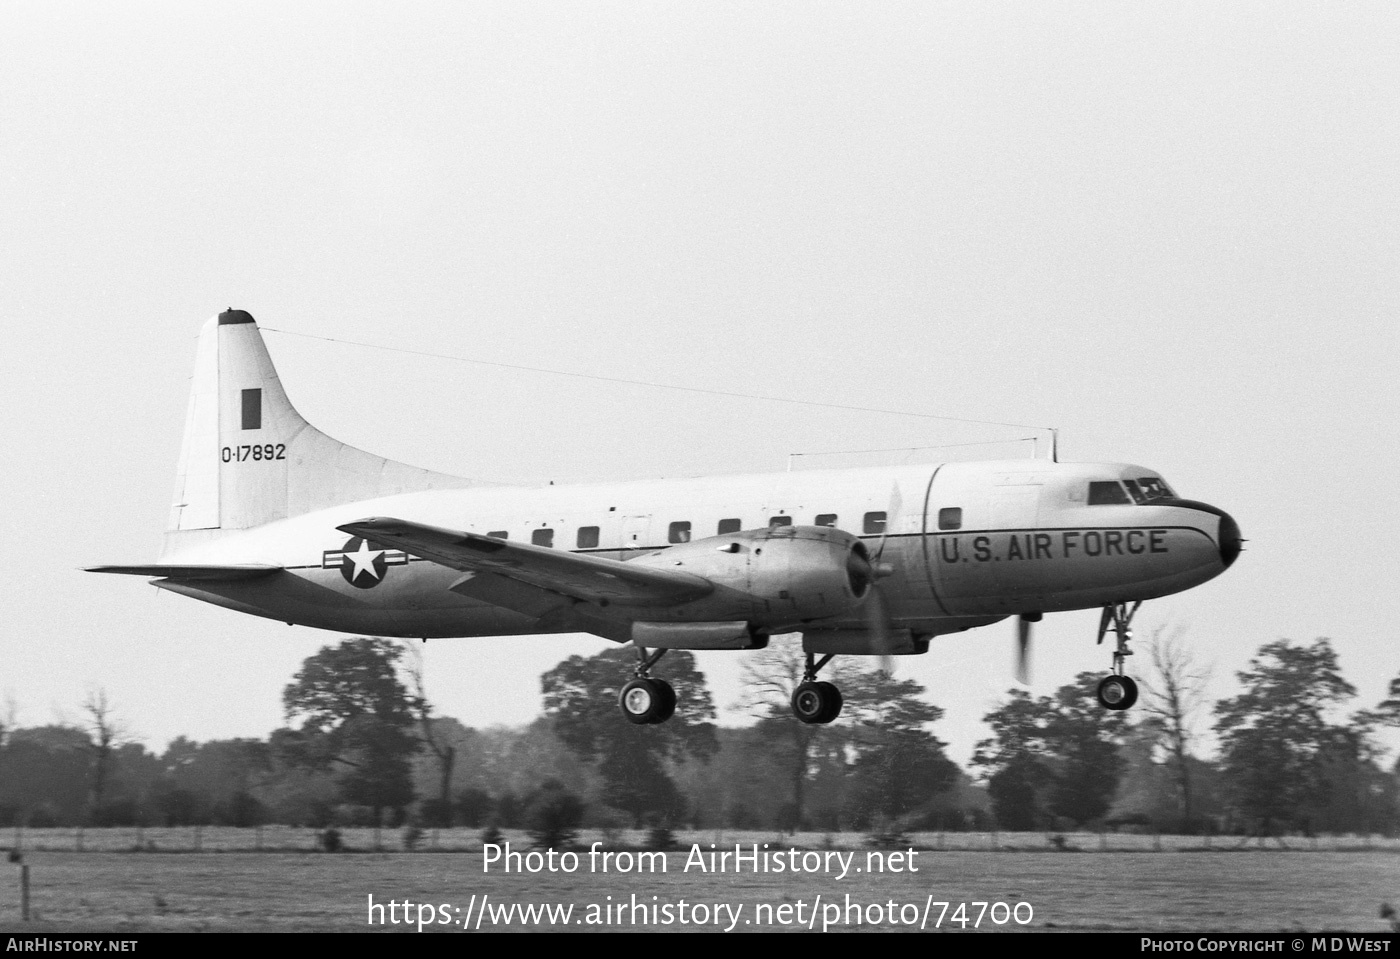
1168 229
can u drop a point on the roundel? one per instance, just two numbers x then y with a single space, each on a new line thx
361 564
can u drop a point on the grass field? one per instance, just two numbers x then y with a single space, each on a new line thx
1119 883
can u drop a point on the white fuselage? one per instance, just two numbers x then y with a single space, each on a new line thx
964 544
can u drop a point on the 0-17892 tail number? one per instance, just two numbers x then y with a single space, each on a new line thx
264 451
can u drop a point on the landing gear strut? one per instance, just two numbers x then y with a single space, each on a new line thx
816 702
1118 691
644 700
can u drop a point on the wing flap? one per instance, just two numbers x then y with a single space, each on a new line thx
510 594
588 578
231 573
555 612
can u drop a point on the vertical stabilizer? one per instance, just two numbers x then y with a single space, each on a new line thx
249 458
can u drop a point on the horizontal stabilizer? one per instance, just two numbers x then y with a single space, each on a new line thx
589 578
207 573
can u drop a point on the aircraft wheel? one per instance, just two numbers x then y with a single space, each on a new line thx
834 704
1117 692
814 702
642 700
667 695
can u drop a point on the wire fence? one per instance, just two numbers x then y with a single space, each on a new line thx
277 838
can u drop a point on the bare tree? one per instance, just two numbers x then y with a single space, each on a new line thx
106 733
1175 696
445 752
770 677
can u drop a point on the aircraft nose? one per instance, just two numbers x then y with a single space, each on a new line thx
1230 541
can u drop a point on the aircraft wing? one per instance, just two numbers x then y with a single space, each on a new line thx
592 579
206 573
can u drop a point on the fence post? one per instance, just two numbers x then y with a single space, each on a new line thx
24 891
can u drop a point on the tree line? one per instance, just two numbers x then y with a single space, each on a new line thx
362 745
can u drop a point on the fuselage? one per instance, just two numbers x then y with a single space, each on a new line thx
961 544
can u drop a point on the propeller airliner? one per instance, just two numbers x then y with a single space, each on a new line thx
276 519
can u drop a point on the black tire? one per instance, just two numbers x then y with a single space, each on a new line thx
641 701
834 702
810 702
1117 692
1132 692
667 695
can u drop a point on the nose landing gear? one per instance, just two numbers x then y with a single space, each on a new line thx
646 701
1118 691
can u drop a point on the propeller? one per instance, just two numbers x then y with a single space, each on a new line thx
1023 646
877 620
877 616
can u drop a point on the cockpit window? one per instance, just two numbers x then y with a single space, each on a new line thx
1107 493
1145 489
1154 487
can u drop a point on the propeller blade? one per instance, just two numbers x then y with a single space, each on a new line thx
1023 650
878 622
891 520
877 616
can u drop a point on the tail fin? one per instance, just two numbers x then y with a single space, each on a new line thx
249 458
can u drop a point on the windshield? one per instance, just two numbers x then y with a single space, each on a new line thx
1145 489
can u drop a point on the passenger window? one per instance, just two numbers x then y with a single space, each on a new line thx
729 526
1107 494
678 533
950 517
776 521
875 522
826 519
499 534
587 537
542 537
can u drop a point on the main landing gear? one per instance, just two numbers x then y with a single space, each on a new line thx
1118 691
816 702
644 700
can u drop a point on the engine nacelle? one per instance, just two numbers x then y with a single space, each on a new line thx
781 576
864 642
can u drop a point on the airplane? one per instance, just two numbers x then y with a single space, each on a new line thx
274 518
